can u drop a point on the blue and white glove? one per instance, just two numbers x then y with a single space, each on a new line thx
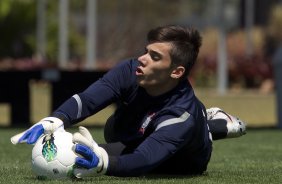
46 125
94 159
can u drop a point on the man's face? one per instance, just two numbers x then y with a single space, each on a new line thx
155 66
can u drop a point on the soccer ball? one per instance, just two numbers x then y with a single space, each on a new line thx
53 157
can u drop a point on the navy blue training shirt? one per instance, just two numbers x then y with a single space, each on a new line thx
158 128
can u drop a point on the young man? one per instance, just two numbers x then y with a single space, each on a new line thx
159 125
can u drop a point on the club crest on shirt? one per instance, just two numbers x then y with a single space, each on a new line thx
146 122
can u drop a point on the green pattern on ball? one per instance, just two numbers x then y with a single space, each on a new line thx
49 150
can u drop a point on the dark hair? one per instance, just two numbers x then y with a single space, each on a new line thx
186 42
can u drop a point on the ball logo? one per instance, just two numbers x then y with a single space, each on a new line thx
49 150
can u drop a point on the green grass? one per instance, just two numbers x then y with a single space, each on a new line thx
253 158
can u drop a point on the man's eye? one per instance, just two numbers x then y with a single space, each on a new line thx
155 56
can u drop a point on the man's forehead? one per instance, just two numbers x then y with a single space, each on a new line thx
159 46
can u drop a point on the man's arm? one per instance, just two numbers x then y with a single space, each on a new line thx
97 96
170 136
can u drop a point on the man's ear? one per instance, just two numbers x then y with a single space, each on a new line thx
178 72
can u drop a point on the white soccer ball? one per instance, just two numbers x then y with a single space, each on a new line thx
53 157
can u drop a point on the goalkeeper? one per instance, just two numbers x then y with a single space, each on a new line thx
159 126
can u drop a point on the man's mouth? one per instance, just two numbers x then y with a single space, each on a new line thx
139 71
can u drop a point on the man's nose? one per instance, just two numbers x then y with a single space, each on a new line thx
142 59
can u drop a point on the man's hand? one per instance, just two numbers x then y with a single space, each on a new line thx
46 125
94 160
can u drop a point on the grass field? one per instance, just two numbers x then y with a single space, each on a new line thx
253 158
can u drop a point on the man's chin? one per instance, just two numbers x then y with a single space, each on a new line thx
140 82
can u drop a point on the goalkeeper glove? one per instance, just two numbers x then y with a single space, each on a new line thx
46 125
94 160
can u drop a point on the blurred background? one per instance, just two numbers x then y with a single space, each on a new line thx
50 50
